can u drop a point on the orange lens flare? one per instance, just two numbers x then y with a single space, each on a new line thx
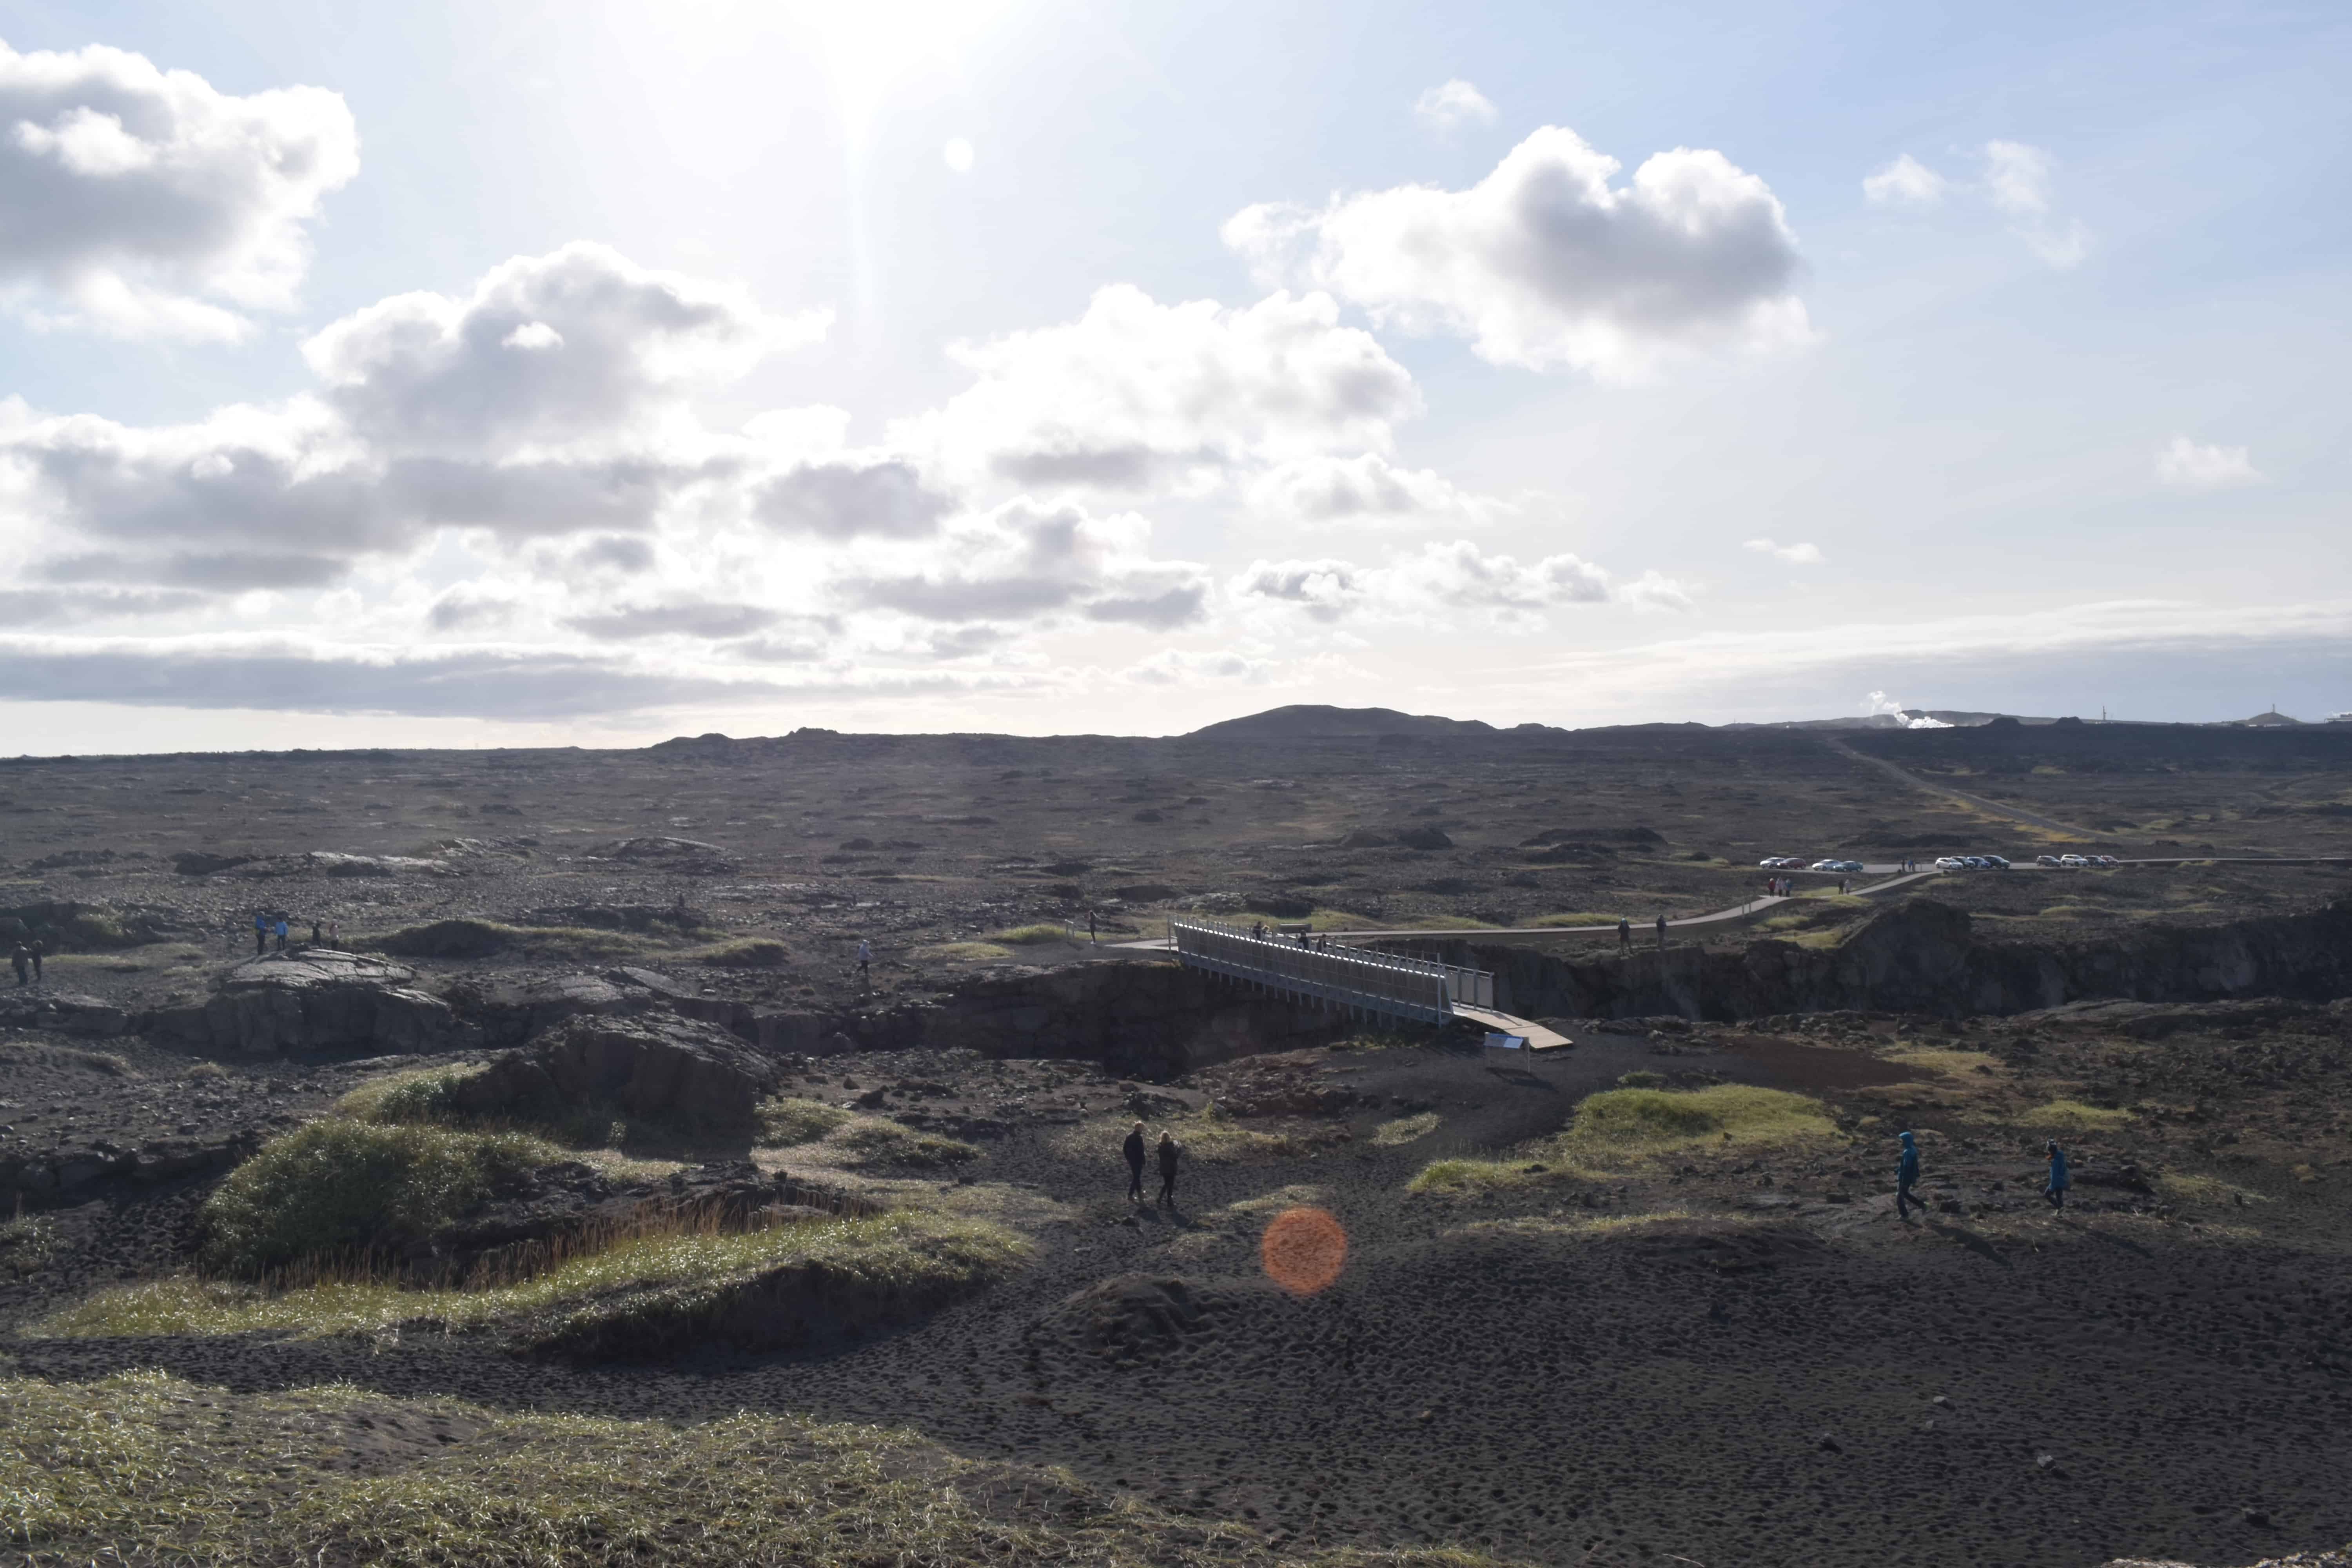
1304 1250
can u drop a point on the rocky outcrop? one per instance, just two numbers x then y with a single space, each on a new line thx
317 1000
512 1012
1922 956
66 1012
43 1179
659 1068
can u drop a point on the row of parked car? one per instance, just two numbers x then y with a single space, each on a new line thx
1995 863
1798 863
2072 862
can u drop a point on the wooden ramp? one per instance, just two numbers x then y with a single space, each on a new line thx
1539 1038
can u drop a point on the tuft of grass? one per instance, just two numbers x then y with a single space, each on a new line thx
1948 1062
338 1187
667 1285
2074 1113
418 1095
200 1070
750 953
1405 1130
1594 1225
469 938
1637 1123
1029 935
1461 1177
2184 1188
785 1121
27 1243
876 1141
962 952
144 1464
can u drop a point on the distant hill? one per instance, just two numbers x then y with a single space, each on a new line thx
1317 721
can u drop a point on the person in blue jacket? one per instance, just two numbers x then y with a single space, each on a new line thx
2061 1178
1907 1177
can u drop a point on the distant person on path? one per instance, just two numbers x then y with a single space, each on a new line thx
1090 926
1624 932
1169 1154
1133 1149
260 935
1662 931
23 960
37 950
281 933
318 937
1907 1177
334 933
2061 1178
1257 930
864 962
1840 884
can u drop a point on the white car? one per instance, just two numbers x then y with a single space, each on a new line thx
1848 866
2071 861
1950 863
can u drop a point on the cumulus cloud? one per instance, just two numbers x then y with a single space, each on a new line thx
1905 181
553 399
707 619
1794 554
1361 490
1135 392
2016 181
145 203
1446 578
1173 666
53 607
1450 105
871 496
2185 465
1545 263
1028 562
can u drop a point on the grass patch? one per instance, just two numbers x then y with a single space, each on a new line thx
1405 1130
27 1243
2074 1113
1594 1225
469 938
1948 1062
785 1121
339 1187
203 1070
750 953
422 1096
962 952
1621 1123
2210 1190
1460 1177
874 1140
1029 935
143 1464
655 1291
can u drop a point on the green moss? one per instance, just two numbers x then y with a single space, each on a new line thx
1029 935
335 1187
485 939
872 1141
750 953
1638 1122
423 1096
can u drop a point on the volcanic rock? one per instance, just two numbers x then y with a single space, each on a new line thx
655 1067
317 1000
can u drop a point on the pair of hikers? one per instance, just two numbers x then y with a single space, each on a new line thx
1907 1176
1170 1150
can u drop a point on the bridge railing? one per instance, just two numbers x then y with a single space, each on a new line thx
1383 982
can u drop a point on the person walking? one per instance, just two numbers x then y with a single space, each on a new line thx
335 933
2061 1178
1841 885
1907 1177
866 964
23 960
281 933
1662 931
260 935
1091 938
38 949
1133 1150
1170 1152
318 937
1624 932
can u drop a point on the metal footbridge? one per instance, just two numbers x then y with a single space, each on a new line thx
1382 984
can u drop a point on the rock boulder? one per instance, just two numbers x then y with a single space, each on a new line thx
671 1069
317 1000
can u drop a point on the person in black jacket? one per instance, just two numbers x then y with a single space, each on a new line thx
1169 1154
1134 1149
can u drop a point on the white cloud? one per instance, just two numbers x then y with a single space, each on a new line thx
1028 562
957 154
1173 666
871 495
1449 106
1794 554
148 204
2017 181
1443 579
1135 392
1544 263
1906 180
2189 465
1366 489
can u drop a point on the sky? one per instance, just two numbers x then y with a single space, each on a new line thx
497 374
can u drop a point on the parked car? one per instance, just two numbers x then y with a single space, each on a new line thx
1950 863
1782 863
2071 861
1996 862
1846 866
1973 862
2103 860
2047 860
